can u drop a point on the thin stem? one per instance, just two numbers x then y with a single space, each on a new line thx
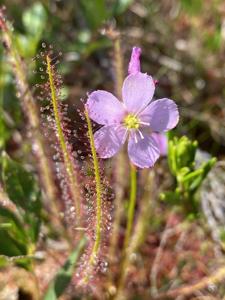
186 290
132 202
118 65
98 193
130 218
119 209
137 238
66 153
120 171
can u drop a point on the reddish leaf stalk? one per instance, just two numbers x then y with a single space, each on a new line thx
67 156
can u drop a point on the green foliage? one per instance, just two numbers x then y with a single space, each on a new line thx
120 6
98 11
192 6
4 133
95 12
36 15
34 21
63 277
213 40
20 185
23 223
181 159
181 154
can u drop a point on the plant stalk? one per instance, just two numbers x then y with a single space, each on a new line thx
69 168
132 202
98 187
98 191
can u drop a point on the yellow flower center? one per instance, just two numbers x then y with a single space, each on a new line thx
131 122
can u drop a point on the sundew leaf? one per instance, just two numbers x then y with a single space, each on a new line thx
63 277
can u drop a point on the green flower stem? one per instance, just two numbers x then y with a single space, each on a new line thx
98 193
66 154
132 202
138 237
130 219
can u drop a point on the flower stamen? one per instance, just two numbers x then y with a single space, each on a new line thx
135 138
141 135
131 122
144 123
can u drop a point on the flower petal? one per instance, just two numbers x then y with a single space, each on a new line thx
134 64
104 108
162 141
143 152
138 90
109 139
162 115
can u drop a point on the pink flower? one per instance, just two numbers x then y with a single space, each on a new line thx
134 64
162 142
137 118
134 67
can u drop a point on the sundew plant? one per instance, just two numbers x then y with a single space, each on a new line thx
104 196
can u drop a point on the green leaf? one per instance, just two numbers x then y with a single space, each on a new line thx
22 189
94 11
182 173
204 169
186 151
63 277
20 185
172 156
181 153
213 41
121 6
26 44
34 19
171 197
4 133
16 229
3 261
192 6
10 246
